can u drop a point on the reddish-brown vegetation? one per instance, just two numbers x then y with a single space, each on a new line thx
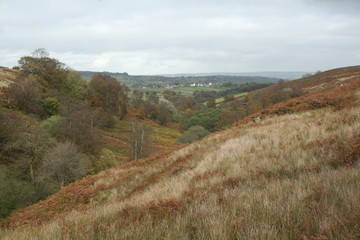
261 181
337 97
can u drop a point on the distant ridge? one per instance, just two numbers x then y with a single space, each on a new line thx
270 74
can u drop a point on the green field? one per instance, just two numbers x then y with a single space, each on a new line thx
186 91
193 89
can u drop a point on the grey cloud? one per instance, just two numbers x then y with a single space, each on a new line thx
168 36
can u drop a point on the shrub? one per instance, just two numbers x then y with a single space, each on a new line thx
107 160
193 134
51 106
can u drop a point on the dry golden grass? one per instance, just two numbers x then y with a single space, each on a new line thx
7 76
294 176
283 178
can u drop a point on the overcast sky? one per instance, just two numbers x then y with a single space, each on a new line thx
184 36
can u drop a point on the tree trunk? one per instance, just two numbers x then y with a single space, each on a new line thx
31 171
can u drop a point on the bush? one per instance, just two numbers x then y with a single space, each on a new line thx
51 106
107 160
193 134
52 121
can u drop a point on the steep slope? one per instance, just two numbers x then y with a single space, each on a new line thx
293 175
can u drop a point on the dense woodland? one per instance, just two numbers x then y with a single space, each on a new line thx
52 121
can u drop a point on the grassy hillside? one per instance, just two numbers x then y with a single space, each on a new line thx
117 139
293 175
7 76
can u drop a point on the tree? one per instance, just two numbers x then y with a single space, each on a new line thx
75 86
79 127
165 115
28 150
151 110
50 72
63 163
25 95
107 93
140 145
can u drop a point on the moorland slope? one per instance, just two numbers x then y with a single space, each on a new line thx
293 175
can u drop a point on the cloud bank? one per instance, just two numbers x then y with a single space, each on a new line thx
170 36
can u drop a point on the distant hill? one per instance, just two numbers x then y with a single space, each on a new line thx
277 75
294 174
161 81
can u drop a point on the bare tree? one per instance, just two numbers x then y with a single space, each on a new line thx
63 163
140 144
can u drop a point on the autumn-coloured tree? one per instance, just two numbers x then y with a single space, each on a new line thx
107 93
25 95
50 72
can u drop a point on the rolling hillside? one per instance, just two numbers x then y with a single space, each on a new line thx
293 175
7 76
